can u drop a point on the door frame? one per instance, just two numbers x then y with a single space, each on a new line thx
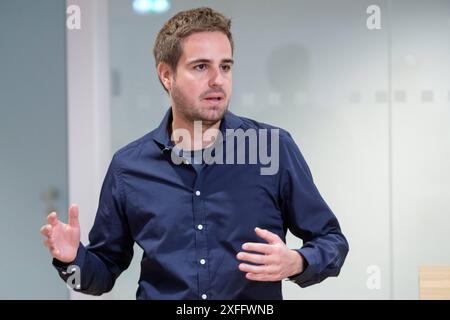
88 112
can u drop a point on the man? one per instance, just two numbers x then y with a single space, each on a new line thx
209 229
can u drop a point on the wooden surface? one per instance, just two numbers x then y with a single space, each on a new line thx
434 283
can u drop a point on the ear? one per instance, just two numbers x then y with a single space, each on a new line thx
165 75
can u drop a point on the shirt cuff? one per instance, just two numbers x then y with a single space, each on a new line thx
63 267
307 277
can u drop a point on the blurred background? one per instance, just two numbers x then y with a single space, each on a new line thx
362 86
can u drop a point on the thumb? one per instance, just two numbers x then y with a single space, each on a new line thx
73 216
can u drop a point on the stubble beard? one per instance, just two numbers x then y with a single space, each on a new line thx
192 113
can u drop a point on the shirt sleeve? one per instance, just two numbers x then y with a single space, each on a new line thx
309 218
110 248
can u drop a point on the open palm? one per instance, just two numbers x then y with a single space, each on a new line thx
62 239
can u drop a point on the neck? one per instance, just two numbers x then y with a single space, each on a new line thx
195 136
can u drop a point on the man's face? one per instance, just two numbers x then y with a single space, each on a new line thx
201 86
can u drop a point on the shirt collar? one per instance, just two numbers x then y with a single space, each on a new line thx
162 137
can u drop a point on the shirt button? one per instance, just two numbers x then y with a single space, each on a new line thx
197 193
202 261
200 227
204 296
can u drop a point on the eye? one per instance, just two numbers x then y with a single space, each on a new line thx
200 67
226 67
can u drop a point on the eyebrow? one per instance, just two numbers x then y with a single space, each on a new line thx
230 61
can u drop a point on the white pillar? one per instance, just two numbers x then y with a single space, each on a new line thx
88 93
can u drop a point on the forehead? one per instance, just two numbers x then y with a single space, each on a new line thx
206 45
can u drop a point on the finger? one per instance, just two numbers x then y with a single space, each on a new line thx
258 247
254 258
48 244
73 216
52 219
54 252
255 269
260 277
46 230
270 237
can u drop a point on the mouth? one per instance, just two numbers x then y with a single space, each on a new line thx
213 100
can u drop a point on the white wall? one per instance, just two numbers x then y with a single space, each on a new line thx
314 69
88 111
420 140
311 68
33 144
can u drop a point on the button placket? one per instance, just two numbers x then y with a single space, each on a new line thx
200 238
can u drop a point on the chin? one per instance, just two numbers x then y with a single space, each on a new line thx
212 118
215 112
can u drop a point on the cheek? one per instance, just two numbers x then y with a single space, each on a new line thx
229 87
189 88
195 86
195 90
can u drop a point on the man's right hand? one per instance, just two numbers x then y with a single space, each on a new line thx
62 239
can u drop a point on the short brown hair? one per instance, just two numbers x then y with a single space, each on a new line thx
168 42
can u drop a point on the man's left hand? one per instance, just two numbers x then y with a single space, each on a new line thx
275 261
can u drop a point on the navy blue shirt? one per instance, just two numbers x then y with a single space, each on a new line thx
192 224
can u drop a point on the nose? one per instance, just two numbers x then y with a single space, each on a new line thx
217 78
